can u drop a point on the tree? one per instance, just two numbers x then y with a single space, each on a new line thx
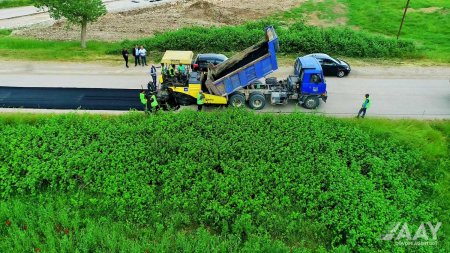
79 12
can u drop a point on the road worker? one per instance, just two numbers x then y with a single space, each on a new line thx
200 100
172 70
153 74
143 99
181 69
365 105
154 103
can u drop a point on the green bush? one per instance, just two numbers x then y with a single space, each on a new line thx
302 179
5 32
14 3
294 39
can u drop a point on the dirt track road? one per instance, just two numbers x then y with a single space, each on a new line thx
397 92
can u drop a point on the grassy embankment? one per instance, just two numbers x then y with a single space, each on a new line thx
427 22
14 3
266 183
374 38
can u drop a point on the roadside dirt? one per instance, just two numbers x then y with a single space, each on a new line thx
426 10
314 17
145 22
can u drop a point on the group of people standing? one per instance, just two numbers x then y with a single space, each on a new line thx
139 54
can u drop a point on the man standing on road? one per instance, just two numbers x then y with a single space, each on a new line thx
153 74
366 105
136 56
125 56
143 56
200 100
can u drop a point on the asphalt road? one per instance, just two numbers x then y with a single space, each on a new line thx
405 92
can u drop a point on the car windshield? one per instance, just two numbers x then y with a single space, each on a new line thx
336 60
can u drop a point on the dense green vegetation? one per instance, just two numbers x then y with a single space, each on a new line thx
14 3
295 38
220 181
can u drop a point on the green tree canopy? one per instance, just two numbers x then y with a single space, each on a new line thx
80 12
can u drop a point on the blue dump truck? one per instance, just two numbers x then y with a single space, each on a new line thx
237 79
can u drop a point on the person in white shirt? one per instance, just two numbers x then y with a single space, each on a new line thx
143 56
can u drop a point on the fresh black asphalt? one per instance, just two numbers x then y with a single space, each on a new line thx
69 98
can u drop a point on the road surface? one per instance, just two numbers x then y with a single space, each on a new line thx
396 92
12 18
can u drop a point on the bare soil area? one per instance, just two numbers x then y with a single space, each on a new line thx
145 22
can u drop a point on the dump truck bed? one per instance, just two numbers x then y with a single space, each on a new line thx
245 67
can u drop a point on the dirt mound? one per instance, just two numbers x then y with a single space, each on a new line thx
145 22
201 5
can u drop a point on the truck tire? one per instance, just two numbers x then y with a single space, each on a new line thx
340 73
311 102
237 100
257 101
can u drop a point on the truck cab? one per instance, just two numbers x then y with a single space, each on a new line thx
312 85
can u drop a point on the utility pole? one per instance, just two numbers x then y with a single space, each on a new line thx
403 19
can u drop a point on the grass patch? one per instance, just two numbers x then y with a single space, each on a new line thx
430 29
5 32
44 50
270 181
14 3
52 222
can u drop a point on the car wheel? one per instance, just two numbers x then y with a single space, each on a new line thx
311 102
257 101
340 74
237 100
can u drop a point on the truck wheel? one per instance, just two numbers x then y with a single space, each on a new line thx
340 74
257 101
311 102
237 100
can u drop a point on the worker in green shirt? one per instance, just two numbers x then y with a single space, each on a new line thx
154 103
143 99
172 70
200 100
365 105
181 69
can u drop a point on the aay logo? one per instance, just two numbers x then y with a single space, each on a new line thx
424 232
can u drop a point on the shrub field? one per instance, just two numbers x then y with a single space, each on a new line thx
222 181
295 38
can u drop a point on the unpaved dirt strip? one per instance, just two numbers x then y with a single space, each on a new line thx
145 22
28 16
